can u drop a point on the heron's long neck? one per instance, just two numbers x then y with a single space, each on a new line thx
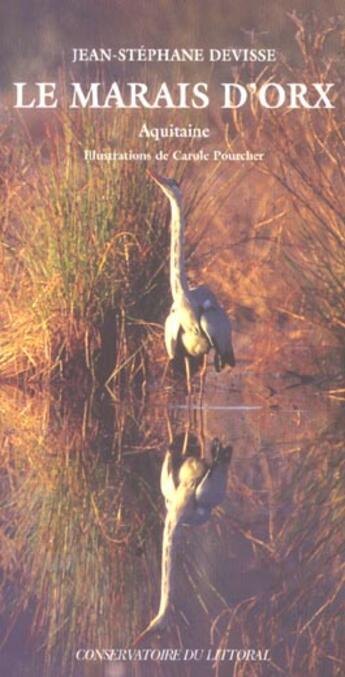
171 536
183 504
178 279
171 533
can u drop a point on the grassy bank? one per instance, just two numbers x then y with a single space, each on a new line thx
84 249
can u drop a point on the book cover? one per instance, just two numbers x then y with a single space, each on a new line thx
172 338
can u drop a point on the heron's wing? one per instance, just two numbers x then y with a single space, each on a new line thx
168 487
217 326
171 331
192 470
212 488
204 297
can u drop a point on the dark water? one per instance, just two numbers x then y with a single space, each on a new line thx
82 520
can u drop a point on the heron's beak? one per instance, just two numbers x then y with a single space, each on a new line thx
156 177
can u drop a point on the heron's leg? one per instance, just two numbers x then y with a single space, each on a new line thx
203 380
169 427
188 377
165 372
202 435
185 442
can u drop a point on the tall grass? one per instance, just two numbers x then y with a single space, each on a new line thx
85 245
304 155
85 250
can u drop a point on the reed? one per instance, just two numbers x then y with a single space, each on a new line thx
304 153
84 251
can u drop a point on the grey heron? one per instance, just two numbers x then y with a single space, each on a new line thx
196 322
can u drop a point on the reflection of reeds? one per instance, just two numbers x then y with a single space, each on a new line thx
299 617
79 528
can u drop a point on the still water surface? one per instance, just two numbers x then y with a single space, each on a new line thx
82 520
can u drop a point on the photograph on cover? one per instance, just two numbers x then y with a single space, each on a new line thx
172 376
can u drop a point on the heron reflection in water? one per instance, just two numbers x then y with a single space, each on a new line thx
191 487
